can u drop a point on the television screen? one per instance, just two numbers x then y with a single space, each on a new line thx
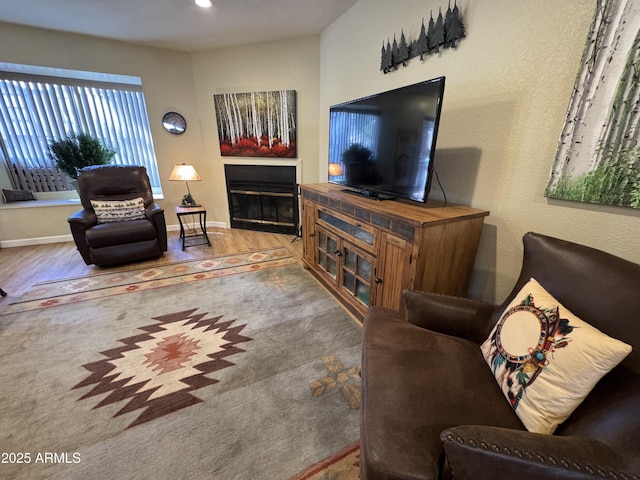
383 145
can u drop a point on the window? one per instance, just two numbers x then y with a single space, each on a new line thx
38 105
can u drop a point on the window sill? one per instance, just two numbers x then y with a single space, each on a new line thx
62 202
50 202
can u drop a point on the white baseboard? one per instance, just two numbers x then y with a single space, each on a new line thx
25 242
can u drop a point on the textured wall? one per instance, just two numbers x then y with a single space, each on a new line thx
508 88
507 92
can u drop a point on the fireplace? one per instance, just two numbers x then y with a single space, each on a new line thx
263 197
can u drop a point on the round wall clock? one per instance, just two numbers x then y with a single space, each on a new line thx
174 123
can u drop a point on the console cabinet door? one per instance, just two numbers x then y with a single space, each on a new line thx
393 274
328 254
358 268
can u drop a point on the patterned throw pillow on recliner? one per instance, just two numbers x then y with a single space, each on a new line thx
109 211
545 359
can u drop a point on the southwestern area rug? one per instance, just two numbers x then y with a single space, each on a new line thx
232 367
343 465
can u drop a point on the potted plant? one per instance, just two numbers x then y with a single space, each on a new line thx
78 150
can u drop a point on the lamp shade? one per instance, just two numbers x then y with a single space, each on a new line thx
185 173
335 170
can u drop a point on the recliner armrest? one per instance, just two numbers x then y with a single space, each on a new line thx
78 223
153 209
457 316
155 214
482 452
85 217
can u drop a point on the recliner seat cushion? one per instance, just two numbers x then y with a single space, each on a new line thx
109 234
112 255
416 384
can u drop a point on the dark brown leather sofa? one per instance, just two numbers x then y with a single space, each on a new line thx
113 243
431 408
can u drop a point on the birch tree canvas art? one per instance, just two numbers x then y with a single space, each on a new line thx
598 156
257 124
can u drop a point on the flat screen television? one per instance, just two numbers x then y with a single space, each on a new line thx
383 145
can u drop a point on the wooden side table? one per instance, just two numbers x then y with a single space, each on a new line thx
202 219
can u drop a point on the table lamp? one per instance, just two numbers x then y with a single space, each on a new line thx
187 174
335 170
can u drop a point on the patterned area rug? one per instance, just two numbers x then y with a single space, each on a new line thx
72 290
218 368
344 465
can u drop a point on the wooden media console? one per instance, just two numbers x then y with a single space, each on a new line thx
368 251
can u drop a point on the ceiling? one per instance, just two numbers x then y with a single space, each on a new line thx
179 24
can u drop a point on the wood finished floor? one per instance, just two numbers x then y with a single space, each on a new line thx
22 267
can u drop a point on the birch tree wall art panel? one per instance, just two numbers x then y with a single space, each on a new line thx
257 124
598 156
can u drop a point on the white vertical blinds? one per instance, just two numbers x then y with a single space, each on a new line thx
348 128
36 109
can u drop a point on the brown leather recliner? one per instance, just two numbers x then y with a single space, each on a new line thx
112 243
431 408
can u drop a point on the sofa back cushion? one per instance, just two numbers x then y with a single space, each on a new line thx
597 287
602 290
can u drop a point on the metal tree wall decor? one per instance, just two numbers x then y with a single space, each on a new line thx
444 32
257 124
598 156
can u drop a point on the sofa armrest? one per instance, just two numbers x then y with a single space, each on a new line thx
483 452
457 316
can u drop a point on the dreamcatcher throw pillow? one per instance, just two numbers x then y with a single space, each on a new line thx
545 359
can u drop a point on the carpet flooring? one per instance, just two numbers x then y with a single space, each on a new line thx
232 367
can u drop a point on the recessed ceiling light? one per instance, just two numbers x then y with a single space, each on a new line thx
203 3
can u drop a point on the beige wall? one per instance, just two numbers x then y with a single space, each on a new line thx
508 87
507 91
167 83
172 81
